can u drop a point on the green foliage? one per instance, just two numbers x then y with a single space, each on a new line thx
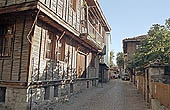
155 46
111 58
120 59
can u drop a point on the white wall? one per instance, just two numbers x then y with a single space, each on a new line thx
108 49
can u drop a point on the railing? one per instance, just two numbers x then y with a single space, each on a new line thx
161 92
94 34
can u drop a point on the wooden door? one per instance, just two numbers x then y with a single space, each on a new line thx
81 65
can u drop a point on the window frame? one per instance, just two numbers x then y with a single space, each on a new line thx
3 95
50 45
73 4
46 93
6 40
61 49
56 89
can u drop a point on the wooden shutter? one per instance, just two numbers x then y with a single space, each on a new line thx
81 63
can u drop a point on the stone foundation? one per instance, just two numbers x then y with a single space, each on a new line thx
15 99
61 94
42 98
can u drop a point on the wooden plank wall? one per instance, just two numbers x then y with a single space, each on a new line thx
161 92
43 68
15 67
63 9
48 69
12 2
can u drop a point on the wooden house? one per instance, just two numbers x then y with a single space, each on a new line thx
130 46
49 49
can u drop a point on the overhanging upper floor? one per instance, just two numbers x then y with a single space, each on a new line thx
73 15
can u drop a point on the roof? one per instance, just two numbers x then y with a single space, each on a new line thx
156 63
95 4
133 39
138 38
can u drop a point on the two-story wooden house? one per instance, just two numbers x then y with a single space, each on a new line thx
49 49
130 46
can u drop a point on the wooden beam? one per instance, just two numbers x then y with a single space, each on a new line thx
18 84
39 59
29 55
22 38
19 7
13 43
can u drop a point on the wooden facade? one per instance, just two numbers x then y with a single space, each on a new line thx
14 66
45 42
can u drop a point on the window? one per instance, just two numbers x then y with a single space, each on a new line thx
47 93
2 94
73 4
50 46
100 29
137 46
71 88
104 35
61 53
55 91
6 40
92 63
167 70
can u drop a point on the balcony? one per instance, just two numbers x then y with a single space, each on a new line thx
67 18
92 36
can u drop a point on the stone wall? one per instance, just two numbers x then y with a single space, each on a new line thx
106 75
60 94
41 98
16 99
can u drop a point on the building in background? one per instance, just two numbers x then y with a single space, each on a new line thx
130 45
104 71
49 49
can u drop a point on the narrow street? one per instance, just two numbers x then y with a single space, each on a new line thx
115 95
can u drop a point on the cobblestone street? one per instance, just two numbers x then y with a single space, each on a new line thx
115 95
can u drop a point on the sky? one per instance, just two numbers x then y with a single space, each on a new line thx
131 18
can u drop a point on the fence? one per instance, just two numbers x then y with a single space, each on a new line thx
161 92
140 84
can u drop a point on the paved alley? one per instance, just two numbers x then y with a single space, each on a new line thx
115 95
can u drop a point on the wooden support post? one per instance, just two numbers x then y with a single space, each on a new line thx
72 62
29 57
68 55
13 43
22 38
39 59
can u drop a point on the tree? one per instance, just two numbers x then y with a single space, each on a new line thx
155 47
111 58
120 59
